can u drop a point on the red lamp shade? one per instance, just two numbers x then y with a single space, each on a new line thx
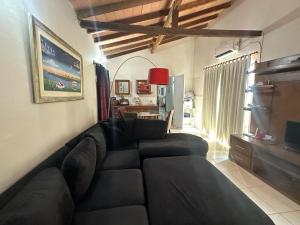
158 76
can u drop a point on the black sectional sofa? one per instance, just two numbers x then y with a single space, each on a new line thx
128 173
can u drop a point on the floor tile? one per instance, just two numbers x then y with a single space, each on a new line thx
279 202
227 165
279 220
292 217
258 201
233 179
247 179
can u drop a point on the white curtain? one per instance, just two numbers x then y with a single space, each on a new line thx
232 96
223 98
210 95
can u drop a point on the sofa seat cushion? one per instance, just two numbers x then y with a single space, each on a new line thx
113 188
45 199
127 215
189 190
177 144
79 166
124 159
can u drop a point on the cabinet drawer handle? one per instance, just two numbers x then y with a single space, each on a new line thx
240 147
238 158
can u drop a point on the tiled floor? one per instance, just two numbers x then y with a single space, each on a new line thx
281 210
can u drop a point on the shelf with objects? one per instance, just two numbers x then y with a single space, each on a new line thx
260 108
260 88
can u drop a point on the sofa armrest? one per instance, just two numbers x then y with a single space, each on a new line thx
149 129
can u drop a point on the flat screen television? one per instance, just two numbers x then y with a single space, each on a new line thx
292 135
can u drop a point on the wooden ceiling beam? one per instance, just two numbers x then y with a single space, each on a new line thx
161 13
118 35
126 41
103 9
186 25
153 30
175 17
126 52
205 11
144 37
141 48
128 47
141 44
165 12
144 17
199 21
168 22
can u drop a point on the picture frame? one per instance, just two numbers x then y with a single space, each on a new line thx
56 67
122 87
143 87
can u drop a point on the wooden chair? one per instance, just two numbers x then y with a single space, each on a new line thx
169 120
130 115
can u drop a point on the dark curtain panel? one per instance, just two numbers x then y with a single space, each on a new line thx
103 92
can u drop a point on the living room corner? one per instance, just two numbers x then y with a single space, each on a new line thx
150 112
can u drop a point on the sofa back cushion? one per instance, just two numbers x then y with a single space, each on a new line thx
54 160
75 140
149 129
97 134
43 200
79 167
118 133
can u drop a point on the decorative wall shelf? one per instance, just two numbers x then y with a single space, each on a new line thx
286 64
257 108
268 88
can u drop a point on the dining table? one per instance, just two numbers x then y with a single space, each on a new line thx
148 115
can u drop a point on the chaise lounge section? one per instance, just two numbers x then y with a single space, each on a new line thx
191 191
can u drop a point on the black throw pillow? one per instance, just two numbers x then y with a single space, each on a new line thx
45 200
97 134
79 167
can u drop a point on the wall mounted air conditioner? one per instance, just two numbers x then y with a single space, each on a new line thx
227 48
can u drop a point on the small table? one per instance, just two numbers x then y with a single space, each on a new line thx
148 115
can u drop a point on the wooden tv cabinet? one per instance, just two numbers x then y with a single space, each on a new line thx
277 166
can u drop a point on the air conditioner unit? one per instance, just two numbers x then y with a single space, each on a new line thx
227 48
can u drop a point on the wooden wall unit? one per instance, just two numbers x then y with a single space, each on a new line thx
283 101
274 164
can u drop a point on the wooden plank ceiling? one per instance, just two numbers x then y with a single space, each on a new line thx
124 26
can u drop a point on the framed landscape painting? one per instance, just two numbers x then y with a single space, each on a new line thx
56 66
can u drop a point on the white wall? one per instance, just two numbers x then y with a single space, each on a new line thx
176 56
250 14
31 132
